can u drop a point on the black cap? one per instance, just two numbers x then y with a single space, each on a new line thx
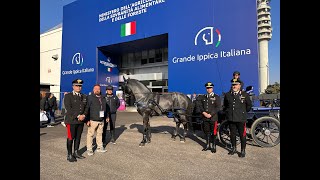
77 82
109 87
209 85
236 81
236 72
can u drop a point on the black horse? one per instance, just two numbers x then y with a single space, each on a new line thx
174 104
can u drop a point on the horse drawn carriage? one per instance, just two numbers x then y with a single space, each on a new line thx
262 127
263 123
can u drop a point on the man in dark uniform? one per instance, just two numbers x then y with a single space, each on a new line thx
209 106
236 105
75 104
113 103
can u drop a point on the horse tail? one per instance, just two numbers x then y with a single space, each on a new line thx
189 112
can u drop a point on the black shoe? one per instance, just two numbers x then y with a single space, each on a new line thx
242 154
77 155
213 145
71 158
208 144
233 150
206 148
213 149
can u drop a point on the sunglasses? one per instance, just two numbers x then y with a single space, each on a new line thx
78 85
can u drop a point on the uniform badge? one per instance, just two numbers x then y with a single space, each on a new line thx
242 98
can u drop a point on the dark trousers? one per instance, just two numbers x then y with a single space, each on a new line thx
112 125
239 127
74 132
210 127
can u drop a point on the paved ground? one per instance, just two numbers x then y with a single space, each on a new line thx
161 159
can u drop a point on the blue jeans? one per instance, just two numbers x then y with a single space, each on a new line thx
51 118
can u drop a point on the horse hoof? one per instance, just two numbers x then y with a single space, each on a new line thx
141 144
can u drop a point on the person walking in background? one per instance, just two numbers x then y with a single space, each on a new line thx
113 103
194 97
63 110
45 107
52 100
97 114
236 75
75 104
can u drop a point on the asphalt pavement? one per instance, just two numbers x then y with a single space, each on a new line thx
163 158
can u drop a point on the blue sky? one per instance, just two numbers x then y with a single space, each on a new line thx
51 15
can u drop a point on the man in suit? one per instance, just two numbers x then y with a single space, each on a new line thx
236 105
75 104
209 106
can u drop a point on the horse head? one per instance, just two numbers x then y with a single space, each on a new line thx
125 86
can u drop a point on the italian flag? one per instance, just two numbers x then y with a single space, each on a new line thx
128 28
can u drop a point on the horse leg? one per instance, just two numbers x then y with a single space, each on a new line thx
148 133
175 132
145 128
185 129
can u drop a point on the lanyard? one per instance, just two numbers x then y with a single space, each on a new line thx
100 102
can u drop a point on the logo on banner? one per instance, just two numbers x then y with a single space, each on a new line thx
206 36
77 59
108 80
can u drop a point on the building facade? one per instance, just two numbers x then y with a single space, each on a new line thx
50 60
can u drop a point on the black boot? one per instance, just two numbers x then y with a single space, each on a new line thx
243 148
112 137
233 146
208 143
233 150
243 153
76 149
70 157
78 155
213 141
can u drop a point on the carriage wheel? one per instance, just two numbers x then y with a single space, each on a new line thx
224 134
265 131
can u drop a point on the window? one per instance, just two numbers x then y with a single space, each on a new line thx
158 55
151 60
144 61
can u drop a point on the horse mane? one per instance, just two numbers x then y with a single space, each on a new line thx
139 83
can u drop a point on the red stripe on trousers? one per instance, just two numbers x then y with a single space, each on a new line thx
133 27
244 130
215 128
68 132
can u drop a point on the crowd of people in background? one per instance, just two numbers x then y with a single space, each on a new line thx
48 105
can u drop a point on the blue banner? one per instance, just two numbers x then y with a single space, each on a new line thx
207 40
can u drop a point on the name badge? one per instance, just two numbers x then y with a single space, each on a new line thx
101 113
